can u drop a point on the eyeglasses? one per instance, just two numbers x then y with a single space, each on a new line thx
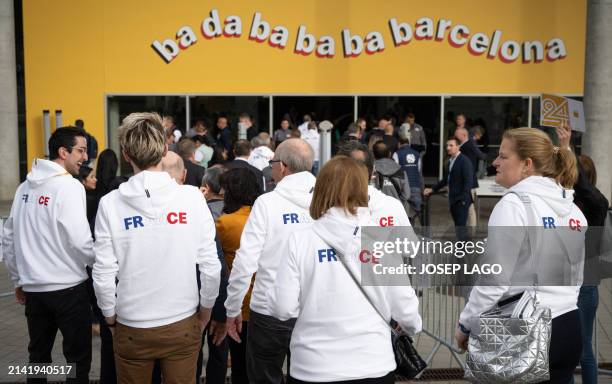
81 150
273 161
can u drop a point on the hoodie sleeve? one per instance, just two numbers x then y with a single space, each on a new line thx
208 260
507 226
218 313
285 301
106 266
405 308
247 258
73 225
8 246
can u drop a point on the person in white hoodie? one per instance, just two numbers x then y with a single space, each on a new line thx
150 234
274 216
339 336
261 153
384 209
47 243
539 177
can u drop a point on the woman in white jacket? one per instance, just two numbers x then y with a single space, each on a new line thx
338 335
539 177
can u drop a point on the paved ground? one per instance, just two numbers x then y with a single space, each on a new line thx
13 331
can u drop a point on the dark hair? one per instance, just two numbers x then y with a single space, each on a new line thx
79 123
242 148
84 172
589 168
212 178
353 128
245 115
380 150
410 115
240 187
63 137
349 147
453 138
200 139
106 171
217 156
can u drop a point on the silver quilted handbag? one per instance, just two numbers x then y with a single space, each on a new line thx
510 347
512 340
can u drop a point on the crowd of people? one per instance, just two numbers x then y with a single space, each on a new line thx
239 243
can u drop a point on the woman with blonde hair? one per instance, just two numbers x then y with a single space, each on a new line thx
539 177
339 335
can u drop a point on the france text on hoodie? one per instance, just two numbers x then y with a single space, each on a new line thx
263 242
335 319
150 234
550 205
47 242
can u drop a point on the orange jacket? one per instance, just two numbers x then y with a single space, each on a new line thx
229 230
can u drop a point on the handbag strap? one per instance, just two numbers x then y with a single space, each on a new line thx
354 278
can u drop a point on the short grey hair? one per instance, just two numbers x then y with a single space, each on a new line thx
212 178
263 139
296 154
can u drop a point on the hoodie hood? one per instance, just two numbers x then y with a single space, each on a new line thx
387 167
339 229
43 171
376 199
149 192
260 156
560 200
297 188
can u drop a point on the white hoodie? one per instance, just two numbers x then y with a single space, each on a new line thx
47 241
338 335
547 200
385 210
150 234
274 216
260 157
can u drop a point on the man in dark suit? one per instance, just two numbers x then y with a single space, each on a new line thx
242 150
186 150
459 178
470 149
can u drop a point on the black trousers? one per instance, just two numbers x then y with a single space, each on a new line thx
67 310
389 378
238 352
565 347
216 366
267 346
459 212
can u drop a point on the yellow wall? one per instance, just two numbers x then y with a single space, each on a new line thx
77 51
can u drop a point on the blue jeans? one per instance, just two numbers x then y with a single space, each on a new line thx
587 307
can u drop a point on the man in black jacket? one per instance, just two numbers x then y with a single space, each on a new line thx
459 178
186 149
242 150
469 149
